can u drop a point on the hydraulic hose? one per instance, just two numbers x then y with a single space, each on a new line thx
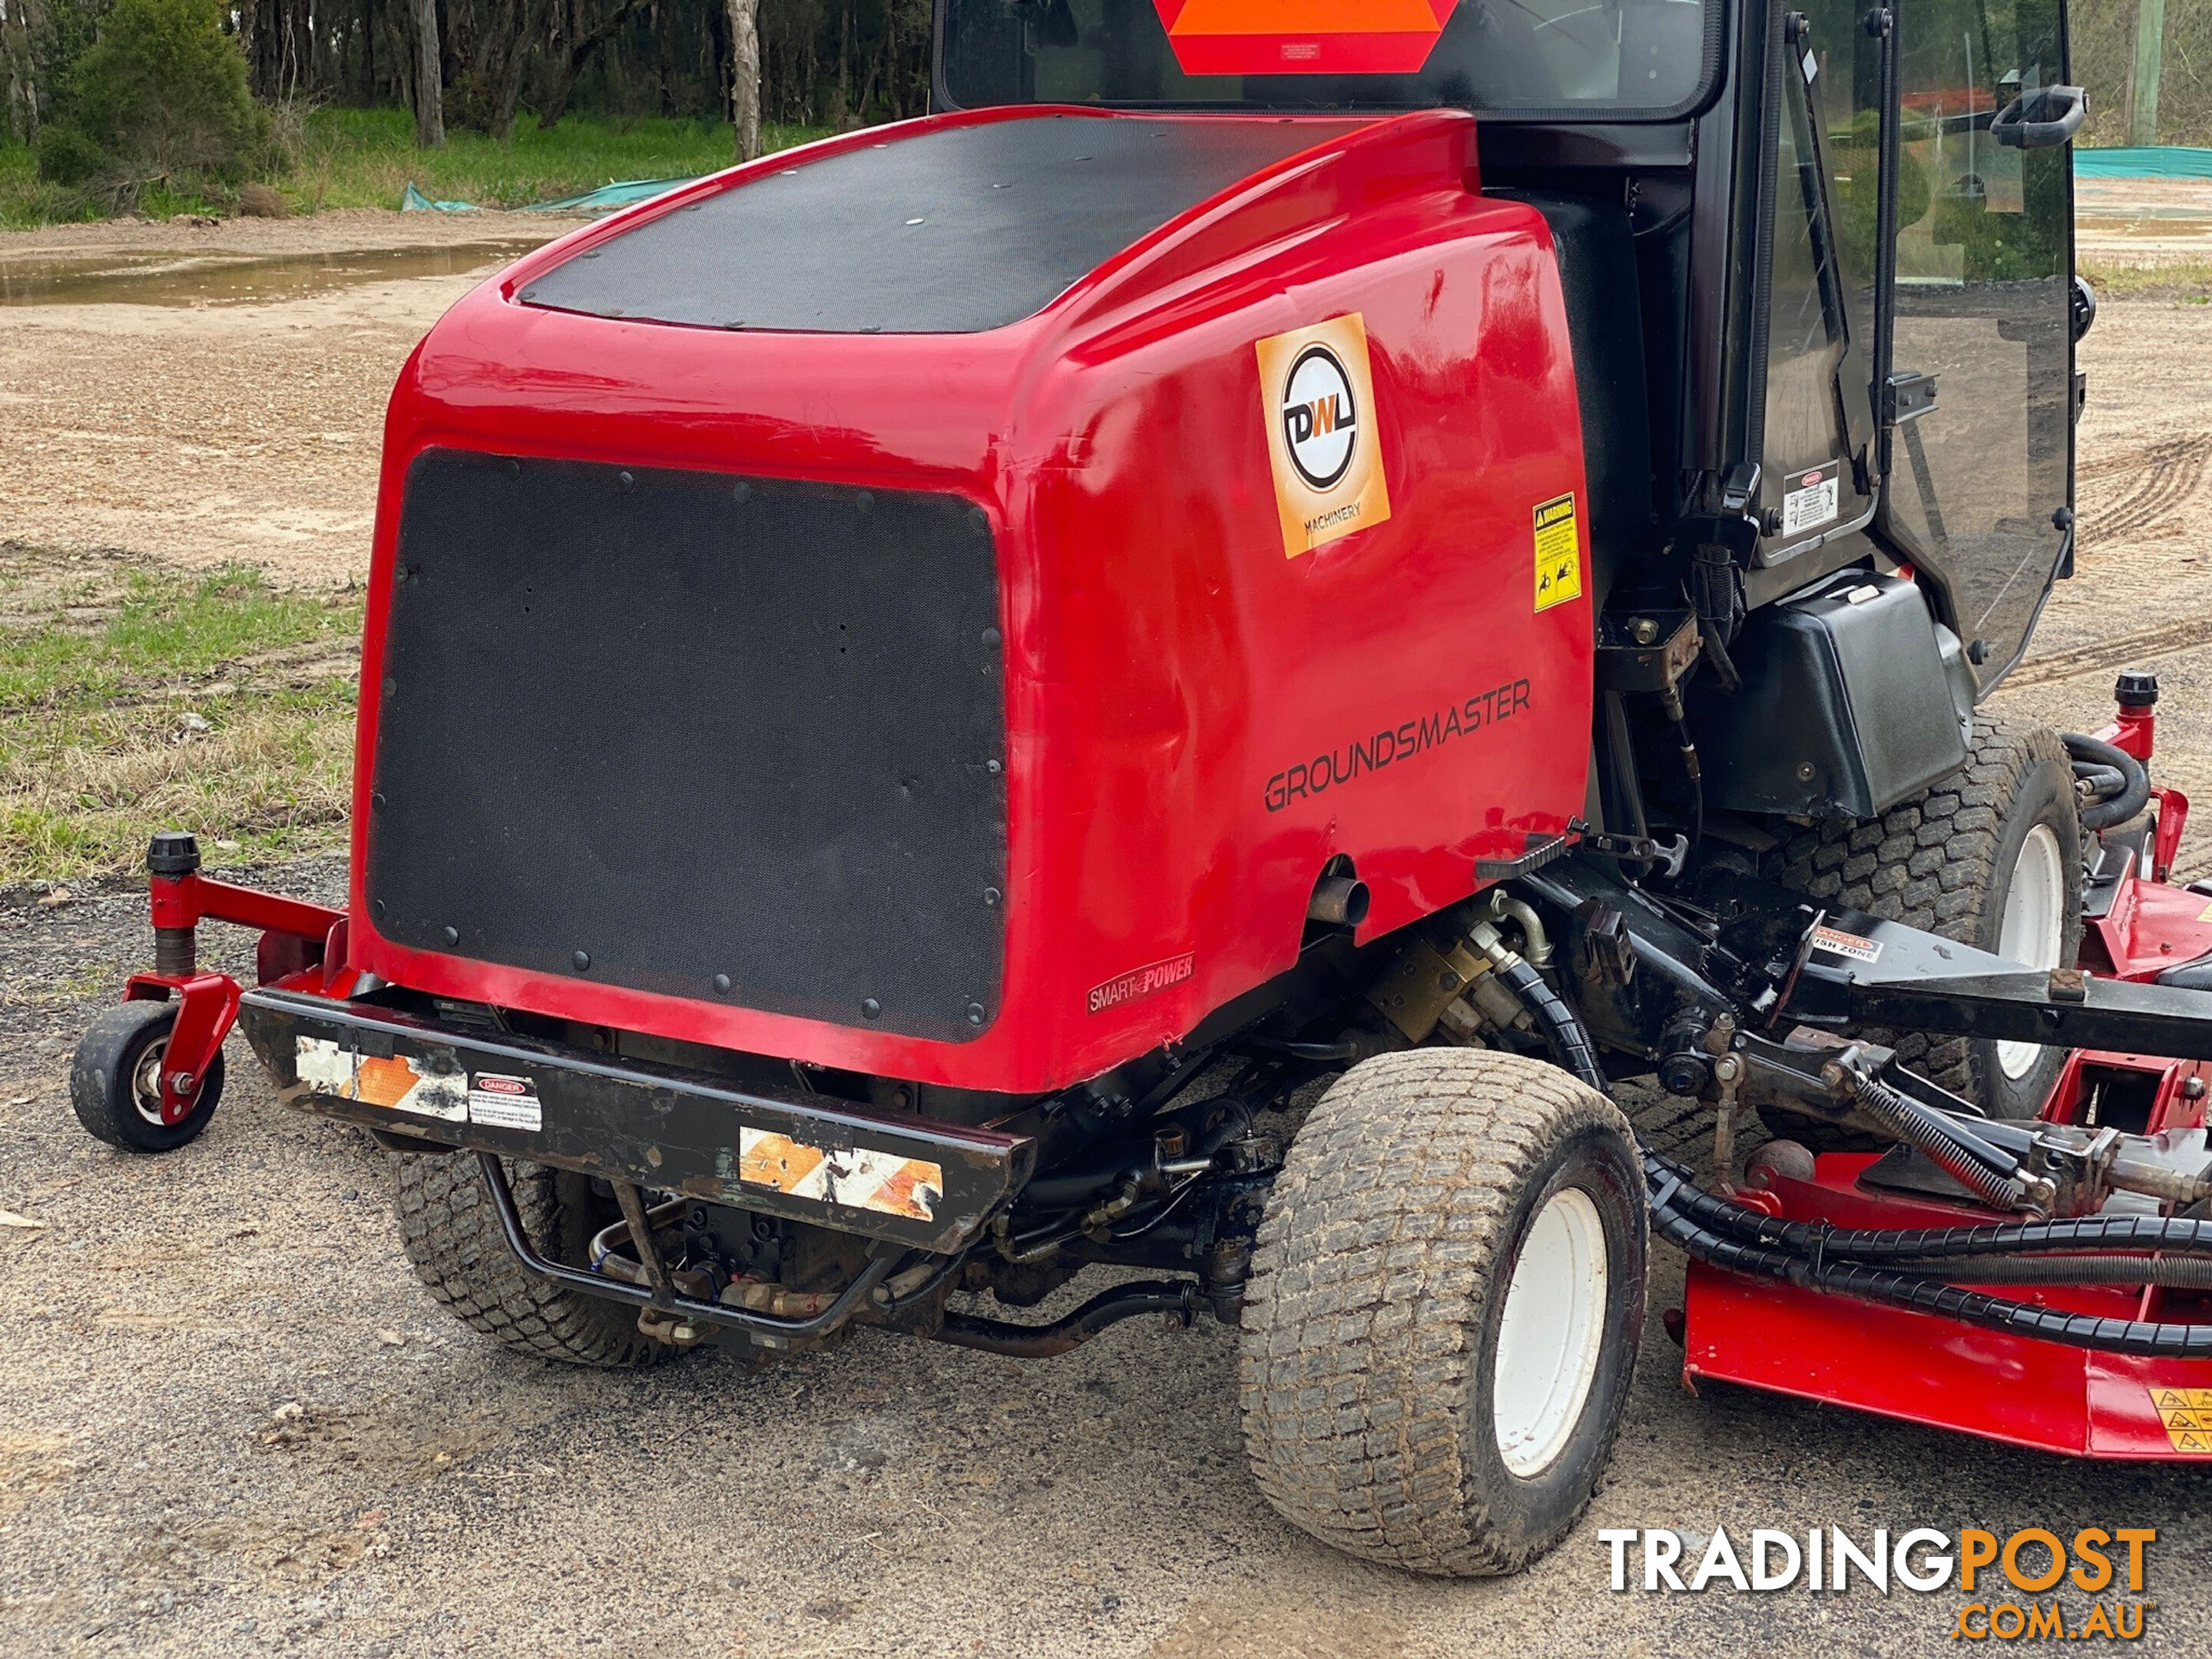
1914 1277
2175 1273
1570 1039
1891 1246
2088 753
1818 1271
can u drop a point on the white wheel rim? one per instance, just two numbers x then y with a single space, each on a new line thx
1551 1333
2034 910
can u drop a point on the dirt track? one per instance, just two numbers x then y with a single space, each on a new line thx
234 1424
202 432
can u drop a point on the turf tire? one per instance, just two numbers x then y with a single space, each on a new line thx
1371 1324
453 1236
114 1080
1944 862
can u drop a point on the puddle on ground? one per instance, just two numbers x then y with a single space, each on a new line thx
233 279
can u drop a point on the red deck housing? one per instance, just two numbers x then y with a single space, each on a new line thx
1170 673
1924 1369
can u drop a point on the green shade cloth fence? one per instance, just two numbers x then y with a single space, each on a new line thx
2143 161
602 200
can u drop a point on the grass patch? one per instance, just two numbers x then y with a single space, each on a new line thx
2188 282
365 158
352 158
134 700
28 201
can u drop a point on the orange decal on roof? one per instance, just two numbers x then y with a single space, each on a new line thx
1304 37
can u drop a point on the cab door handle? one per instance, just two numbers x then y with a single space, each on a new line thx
2038 119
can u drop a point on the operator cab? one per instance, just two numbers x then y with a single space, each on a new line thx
1818 263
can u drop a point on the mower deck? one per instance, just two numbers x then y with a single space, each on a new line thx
1924 1368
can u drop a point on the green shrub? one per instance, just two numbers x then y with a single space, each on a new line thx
160 97
67 157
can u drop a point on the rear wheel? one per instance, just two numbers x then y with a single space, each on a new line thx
453 1236
1444 1311
1991 857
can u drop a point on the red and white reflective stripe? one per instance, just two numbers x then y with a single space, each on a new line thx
400 1082
883 1182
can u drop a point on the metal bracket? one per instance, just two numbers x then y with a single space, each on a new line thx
768 1331
1908 396
207 1007
1669 855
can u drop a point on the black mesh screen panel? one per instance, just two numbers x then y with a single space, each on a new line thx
734 740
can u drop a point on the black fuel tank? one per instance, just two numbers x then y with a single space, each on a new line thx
1846 707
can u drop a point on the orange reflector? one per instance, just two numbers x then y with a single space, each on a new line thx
1304 37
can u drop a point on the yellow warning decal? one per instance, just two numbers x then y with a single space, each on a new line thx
1558 553
2186 1414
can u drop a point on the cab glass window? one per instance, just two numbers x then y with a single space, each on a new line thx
1621 56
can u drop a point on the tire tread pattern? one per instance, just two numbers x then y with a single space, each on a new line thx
1931 863
453 1235
1387 1229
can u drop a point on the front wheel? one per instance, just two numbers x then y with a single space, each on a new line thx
115 1080
1991 857
1445 1311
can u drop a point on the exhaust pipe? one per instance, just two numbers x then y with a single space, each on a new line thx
1338 902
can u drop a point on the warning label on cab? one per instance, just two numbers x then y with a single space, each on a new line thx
1558 553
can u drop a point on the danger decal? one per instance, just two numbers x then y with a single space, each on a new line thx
1837 943
883 1182
499 1102
1317 397
1364 756
2187 1416
1558 553
1144 982
1809 499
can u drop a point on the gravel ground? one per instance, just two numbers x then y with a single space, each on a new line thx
235 1424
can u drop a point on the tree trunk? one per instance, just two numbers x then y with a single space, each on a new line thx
890 60
365 90
844 105
581 44
430 90
746 76
523 26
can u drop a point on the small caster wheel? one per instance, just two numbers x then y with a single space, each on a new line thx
115 1081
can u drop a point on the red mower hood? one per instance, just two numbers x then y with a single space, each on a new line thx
1244 412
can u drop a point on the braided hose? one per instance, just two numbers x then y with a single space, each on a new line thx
2180 1273
1569 1037
1819 1260
2134 793
1891 1246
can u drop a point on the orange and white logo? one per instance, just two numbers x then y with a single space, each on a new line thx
1317 395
